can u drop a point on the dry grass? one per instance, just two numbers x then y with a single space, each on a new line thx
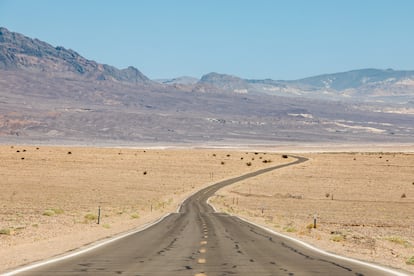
50 199
356 197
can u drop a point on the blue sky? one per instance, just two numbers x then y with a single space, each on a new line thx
252 39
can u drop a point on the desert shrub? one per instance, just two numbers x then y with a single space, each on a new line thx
398 240
410 261
327 195
58 211
49 213
309 226
222 162
248 164
5 231
69 152
338 238
144 173
90 216
403 195
135 216
290 229
284 156
228 155
53 211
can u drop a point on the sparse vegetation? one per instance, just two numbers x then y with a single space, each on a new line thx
106 226
290 229
338 238
48 213
58 211
5 231
309 226
53 212
135 216
398 240
410 261
90 217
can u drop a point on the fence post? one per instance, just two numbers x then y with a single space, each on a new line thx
99 214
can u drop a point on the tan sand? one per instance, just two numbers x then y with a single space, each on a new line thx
364 204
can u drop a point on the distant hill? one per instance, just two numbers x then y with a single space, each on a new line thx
354 79
178 80
18 52
225 82
358 85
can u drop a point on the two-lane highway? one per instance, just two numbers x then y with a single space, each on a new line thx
198 241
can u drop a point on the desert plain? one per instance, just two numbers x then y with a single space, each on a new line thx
50 197
363 204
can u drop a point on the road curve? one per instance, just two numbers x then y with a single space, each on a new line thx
198 241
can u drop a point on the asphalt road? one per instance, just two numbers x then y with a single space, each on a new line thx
198 241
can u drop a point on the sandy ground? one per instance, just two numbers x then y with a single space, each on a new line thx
50 195
364 204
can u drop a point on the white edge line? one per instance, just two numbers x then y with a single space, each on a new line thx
211 205
307 245
82 251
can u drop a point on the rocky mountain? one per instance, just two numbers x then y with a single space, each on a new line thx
53 95
20 52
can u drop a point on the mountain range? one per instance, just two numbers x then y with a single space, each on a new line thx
52 95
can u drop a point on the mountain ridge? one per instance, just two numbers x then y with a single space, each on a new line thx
21 52
53 95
